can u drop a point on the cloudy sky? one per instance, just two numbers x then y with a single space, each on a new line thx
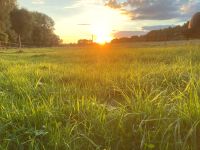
79 19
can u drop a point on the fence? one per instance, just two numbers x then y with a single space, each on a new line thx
7 45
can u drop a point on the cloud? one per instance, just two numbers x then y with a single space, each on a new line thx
156 9
121 34
38 1
81 3
157 27
114 4
144 30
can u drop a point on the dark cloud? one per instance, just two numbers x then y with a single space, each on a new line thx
144 30
121 34
156 9
149 28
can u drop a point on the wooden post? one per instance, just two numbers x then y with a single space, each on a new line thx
20 43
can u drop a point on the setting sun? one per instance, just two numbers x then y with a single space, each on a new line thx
102 39
102 33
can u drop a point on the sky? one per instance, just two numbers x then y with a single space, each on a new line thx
108 19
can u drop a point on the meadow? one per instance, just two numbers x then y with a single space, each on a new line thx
113 97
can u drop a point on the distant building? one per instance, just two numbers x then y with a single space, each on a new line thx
85 42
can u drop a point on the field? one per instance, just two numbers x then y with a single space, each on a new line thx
113 97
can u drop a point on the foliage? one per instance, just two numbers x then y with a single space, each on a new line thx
21 21
3 37
42 32
195 26
6 7
34 28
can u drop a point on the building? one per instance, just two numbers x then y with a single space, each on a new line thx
85 42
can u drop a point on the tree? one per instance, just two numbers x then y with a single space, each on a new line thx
43 30
194 26
3 37
32 28
21 21
6 7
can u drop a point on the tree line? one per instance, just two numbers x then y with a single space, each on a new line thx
20 25
168 34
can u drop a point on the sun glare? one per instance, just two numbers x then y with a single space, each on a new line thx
102 33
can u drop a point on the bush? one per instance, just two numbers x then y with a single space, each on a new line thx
3 37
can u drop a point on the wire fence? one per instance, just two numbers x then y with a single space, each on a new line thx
5 45
13 45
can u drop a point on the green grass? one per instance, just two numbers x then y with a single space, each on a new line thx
128 96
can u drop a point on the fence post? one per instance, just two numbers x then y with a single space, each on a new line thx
20 43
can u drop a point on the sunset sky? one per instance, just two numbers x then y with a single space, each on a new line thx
106 19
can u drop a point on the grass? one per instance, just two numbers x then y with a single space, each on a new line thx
127 96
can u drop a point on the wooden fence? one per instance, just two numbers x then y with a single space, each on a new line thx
8 45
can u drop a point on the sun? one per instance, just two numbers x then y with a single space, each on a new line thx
102 38
102 33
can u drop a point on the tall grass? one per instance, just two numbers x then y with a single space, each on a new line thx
143 96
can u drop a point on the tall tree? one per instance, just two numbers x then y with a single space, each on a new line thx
194 26
21 21
30 27
6 7
43 30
